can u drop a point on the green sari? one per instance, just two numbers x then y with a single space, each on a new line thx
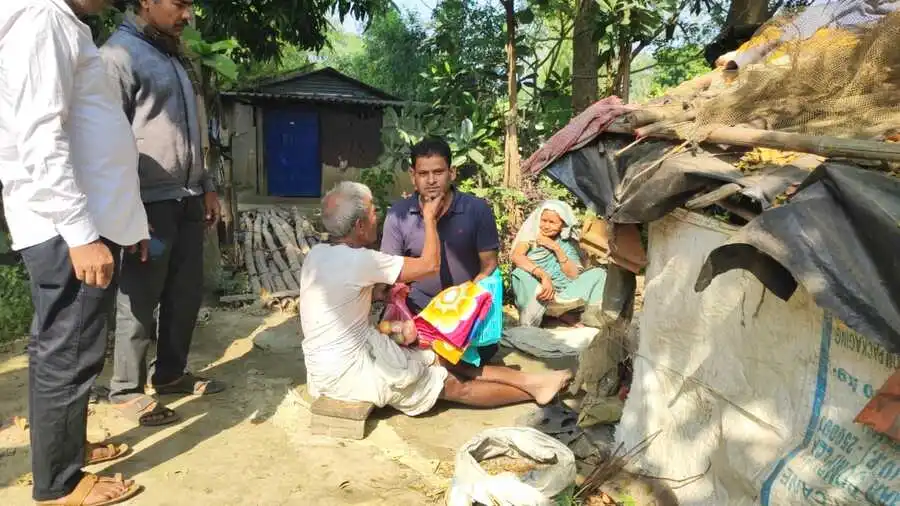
588 286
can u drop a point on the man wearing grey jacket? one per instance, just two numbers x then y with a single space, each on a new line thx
146 63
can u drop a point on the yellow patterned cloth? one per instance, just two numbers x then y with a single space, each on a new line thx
452 315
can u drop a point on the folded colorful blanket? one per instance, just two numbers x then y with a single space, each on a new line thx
488 331
452 315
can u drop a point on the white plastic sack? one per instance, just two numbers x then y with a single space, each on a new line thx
755 394
472 485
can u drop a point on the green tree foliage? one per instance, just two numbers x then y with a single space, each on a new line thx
393 41
263 27
292 59
469 37
674 65
15 311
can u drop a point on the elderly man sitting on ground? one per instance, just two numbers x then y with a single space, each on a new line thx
348 359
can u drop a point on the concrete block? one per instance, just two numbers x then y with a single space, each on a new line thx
342 409
321 425
339 419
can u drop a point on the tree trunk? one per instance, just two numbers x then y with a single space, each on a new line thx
747 12
584 57
622 82
744 17
511 155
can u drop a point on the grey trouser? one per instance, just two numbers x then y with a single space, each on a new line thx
170 280
65 355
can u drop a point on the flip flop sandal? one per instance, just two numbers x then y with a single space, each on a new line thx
552 419
113 452
79 496
147 411
190 385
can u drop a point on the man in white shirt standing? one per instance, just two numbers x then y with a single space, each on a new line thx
348 359
68 165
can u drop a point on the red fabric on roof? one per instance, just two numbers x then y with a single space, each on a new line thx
582 129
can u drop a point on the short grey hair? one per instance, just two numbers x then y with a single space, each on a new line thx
343 206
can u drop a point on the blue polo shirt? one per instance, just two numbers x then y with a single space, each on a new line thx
466 229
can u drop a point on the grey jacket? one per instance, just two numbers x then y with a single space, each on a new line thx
160 102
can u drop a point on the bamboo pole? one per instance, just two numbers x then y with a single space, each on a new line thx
257 232
830 147
308 229
289 282
299 232
251 297
248 245
652 114
665 124
277 280
252 272
708 199
285 236
280 263
265 278
266 235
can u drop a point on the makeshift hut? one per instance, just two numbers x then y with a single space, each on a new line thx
767 356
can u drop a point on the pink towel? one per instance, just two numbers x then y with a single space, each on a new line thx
583 128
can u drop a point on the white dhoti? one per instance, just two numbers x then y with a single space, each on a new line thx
382 373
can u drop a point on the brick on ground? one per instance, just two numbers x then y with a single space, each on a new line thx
340 419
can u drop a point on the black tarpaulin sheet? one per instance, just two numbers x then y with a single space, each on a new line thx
591 174
640 185
646 183
838 236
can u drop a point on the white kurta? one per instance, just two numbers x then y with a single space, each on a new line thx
346 357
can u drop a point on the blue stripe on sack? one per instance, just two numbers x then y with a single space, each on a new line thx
821 387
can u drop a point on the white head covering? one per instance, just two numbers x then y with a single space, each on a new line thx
531 228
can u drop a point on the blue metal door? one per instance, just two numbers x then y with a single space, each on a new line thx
292 152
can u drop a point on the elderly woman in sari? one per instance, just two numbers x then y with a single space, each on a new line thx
549 278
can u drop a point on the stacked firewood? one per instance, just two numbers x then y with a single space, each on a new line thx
275 243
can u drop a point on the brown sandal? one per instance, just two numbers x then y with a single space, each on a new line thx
188 384
84 488
113 452
147 411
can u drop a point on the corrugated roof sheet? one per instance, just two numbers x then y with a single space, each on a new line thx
323 85
250 96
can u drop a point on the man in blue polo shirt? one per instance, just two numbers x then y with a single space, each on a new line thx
468 232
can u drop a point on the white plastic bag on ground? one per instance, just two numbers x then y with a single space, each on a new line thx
473 485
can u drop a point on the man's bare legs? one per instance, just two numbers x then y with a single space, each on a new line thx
482 394
492 386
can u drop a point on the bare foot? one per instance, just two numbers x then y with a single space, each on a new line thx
548 385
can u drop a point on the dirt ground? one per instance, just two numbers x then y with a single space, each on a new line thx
251 444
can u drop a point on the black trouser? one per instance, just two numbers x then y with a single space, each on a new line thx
65 356
172 281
